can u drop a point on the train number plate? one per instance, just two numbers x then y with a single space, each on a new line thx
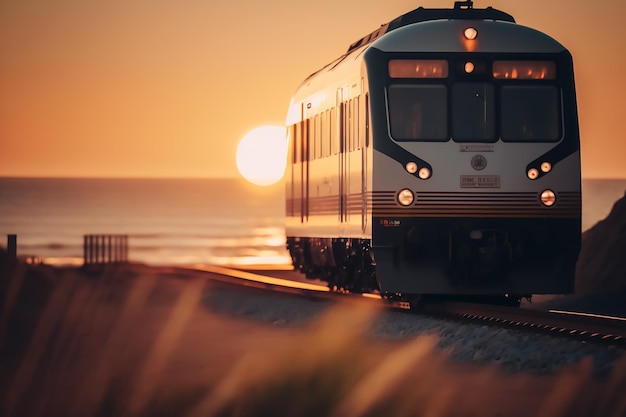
480 181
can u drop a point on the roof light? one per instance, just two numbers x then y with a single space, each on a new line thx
470 33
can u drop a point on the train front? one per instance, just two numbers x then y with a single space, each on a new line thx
476 167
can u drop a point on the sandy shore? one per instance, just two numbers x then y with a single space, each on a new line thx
149 341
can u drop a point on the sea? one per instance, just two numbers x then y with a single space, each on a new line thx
223 221
167 221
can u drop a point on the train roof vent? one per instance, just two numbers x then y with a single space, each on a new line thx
462 10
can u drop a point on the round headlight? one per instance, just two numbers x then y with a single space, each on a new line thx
533 173
546 167
405 197
411 167
548 198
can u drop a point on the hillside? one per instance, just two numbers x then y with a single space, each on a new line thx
601 265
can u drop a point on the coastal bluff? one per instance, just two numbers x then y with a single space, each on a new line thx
601 267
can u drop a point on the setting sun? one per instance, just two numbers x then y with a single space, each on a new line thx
261 155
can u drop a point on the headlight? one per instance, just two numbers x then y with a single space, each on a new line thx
548 198
411 167
424 173
546 167
533 173
405 197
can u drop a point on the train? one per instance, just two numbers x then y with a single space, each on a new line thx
438 156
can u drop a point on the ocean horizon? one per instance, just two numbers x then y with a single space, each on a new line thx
176 221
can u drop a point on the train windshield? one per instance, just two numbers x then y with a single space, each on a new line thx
530 113
514 109
418 112
474 114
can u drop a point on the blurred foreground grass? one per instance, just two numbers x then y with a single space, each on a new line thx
111 343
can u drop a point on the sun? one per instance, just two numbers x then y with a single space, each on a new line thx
262 155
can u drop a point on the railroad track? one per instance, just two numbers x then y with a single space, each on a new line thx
578 325
594 328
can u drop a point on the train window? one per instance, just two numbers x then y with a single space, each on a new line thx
297 143
314 140
353 134
311 131
318 137
355 123
305 141
473 112
333 131
418 68
348 126
322 133
418 112
524 70
362 121
325 134
292 143
530 113
342 127
308 138
367 120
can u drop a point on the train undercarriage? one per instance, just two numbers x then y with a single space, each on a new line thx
348 265
345 264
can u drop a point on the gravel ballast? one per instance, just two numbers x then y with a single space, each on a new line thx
513 350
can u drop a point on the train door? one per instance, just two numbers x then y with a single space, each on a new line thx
343 172
291 179
364 141
296 173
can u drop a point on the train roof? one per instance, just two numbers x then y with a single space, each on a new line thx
462 10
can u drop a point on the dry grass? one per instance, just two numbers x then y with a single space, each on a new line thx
120 342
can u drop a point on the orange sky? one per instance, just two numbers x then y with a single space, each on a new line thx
167 88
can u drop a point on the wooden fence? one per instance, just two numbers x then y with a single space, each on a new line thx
104 249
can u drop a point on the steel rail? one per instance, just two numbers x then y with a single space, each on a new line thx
582 326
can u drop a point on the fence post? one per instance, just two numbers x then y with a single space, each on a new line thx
12 247
92 248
